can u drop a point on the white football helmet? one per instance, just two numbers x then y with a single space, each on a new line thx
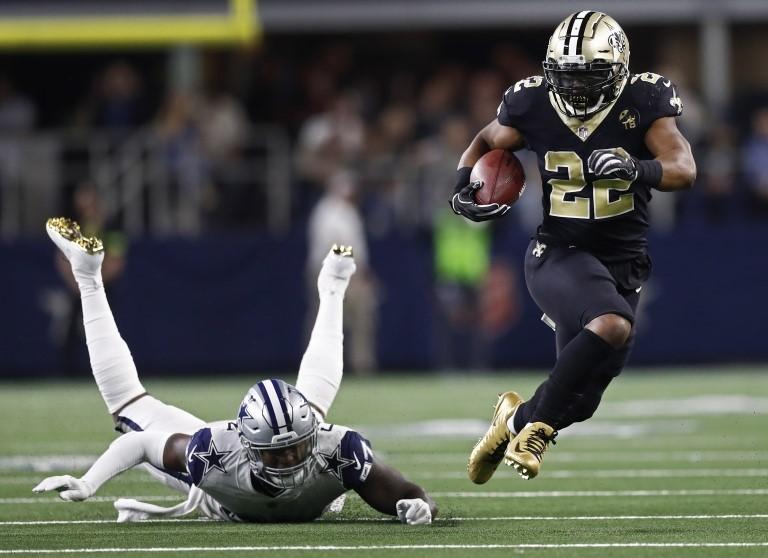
587 63
279 433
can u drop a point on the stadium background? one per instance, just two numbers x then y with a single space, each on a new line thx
210 132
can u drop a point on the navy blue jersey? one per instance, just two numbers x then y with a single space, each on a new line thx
607 217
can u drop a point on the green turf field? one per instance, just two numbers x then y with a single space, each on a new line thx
675 464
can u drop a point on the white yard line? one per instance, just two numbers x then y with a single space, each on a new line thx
97 499
596 456
384 547
603 493
609 474
439 519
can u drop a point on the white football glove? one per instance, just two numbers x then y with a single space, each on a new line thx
69 488
414 511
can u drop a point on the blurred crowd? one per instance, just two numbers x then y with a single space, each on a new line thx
398 131
373 148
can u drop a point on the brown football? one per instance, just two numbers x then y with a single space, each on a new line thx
502 175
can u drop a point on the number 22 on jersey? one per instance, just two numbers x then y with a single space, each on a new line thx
579 207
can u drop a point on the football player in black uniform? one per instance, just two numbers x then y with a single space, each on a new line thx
604 139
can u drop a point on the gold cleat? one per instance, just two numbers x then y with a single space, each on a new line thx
489 450
341 250
70 230
525 451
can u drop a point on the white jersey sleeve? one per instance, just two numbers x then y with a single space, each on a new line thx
344 454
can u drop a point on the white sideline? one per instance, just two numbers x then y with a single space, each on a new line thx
449 519
385 547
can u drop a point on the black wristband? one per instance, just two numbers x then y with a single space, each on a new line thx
649 172
462 178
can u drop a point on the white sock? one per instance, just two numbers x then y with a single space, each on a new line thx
323 363
511 423
111 361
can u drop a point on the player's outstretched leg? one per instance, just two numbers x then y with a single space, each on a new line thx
323 363
525 451
111 361
489 450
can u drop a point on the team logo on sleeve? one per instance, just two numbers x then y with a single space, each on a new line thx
335 463
211 459
628 117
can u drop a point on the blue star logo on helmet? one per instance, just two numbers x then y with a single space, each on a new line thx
243 413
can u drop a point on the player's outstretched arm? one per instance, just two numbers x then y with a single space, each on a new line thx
387 491
673 152
160 449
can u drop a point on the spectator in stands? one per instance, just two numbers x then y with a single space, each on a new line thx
718 173
336 219
754 157
389 167
117 104
17 112
223 123
17 118
331 138
178 130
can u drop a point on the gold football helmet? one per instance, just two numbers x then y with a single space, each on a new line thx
587 63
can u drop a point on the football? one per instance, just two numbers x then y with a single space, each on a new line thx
502 175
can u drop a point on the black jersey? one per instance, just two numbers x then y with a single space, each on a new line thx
607 217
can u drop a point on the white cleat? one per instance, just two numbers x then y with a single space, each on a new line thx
84 254
338 268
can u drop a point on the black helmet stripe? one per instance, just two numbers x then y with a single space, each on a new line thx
583 32
281 397
569 27
574 36
270 408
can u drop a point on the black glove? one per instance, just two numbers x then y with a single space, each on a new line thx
609 164
463 203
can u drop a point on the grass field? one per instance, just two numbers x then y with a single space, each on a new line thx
675 464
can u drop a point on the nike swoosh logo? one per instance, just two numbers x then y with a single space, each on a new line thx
667 83
191 453
357 462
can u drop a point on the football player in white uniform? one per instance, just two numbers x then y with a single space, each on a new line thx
278 461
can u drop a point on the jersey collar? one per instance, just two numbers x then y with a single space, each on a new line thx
583 129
